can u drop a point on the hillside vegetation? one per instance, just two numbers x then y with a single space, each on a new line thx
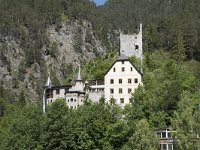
170 96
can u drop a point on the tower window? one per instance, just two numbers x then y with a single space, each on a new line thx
122 100
120 81
136 80
57 91
120 91
111 91
111 81
136 47
123 69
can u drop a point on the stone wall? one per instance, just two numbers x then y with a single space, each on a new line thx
131 45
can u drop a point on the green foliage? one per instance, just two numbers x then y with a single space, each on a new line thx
22 100
117 134
24 129
97 68
168 97
186 121
143 138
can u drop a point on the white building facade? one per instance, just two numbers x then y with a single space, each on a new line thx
121 81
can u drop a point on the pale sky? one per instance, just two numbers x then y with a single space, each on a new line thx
99 2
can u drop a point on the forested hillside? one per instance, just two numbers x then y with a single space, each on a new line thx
41 36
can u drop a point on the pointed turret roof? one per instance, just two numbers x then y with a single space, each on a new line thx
79 73
48 83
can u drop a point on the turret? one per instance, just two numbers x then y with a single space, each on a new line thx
48 83
47 86
78 82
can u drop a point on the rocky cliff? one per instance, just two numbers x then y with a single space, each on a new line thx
71 43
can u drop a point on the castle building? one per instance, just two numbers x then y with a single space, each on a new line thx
119 83
121 80
72 94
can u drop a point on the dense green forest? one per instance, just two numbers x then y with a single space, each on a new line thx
170 96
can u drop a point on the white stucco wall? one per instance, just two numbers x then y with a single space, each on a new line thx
74 100
118 74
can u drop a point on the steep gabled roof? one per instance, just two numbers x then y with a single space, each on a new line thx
123 58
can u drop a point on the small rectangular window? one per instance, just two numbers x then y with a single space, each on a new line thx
131 68
129 91
111 81
123 69
120 91
169 135
111 91
120 81
122 100
114 70
57 91
170 147
122 62
136 80
66 90
129 80
163 146
163 134
130 100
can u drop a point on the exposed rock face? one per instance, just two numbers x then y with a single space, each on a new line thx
72 43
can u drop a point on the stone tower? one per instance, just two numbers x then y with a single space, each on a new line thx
131 45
